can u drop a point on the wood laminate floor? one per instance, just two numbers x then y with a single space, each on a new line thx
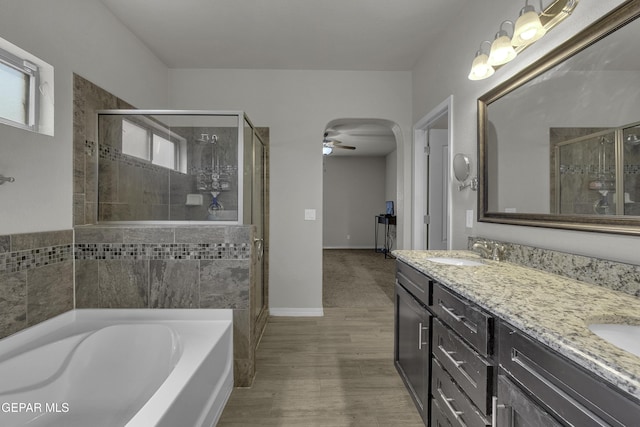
333 371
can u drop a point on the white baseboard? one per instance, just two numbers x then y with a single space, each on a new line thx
349 247
296 312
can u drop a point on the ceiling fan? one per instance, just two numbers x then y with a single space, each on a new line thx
329 143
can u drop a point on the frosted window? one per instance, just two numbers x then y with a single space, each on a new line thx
135 140
17 86
164 152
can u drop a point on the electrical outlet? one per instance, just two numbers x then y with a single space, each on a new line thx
309 214
348 236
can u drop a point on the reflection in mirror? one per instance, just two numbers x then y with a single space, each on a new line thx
559 143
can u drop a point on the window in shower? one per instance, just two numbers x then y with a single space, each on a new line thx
148 144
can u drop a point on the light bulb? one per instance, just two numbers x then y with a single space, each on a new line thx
528 27
501 50
480 68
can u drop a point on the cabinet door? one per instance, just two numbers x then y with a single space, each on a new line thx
412 346
516 409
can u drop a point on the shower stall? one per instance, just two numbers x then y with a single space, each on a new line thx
171 169
598 173
194 166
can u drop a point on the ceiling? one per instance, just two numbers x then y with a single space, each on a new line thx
371 35
371 137
287 34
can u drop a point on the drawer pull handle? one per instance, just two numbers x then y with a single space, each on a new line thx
420 329
447 353
450 312
494 412
447 401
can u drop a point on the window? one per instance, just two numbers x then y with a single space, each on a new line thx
135 140
149 144
18 85
164 152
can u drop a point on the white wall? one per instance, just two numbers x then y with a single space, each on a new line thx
78 36
391 181
440 73
353 194
296 106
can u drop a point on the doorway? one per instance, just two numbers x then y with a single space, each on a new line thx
432 144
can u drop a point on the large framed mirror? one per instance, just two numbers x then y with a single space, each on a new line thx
559 143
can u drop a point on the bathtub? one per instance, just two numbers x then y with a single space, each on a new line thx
118 367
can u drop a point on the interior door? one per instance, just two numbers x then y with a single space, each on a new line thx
437 185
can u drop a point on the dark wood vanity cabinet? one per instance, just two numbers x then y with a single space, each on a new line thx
466 367
538 387
442 345
412 335
462 380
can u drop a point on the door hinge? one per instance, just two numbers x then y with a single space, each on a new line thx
427 219
427 149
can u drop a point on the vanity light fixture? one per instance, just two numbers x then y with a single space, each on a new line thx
480 68
528 27
501 49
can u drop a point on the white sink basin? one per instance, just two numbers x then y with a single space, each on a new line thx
455 261
626 337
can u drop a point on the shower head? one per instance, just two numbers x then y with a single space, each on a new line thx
204 137
632 139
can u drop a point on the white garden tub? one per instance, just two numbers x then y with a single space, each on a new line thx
118 367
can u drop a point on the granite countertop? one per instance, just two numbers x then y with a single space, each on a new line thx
552 309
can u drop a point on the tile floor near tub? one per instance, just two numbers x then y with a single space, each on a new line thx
333 371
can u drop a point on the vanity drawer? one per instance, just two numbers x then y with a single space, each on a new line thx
573 394
472 324
469 369
452 402
415 282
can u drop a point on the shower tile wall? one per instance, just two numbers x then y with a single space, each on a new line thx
87 98
36 278
170 267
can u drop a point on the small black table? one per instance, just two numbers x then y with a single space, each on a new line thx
388 221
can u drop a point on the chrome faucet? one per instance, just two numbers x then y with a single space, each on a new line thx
489 249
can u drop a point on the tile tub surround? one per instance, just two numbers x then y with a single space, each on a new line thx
553 309
36 278
601 272
157 266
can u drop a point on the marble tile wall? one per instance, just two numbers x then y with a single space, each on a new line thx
171 267
36 278
87 98
609 274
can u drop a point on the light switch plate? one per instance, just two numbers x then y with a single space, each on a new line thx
309 214
470 218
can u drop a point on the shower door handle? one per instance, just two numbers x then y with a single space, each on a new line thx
259 244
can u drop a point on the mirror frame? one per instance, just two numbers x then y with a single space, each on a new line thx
611 22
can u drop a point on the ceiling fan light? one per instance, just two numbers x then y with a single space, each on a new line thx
326 150
528 27
501 50
480 68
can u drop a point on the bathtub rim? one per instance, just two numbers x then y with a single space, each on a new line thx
80 320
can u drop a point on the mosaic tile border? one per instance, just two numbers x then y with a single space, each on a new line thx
13 262
162 251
